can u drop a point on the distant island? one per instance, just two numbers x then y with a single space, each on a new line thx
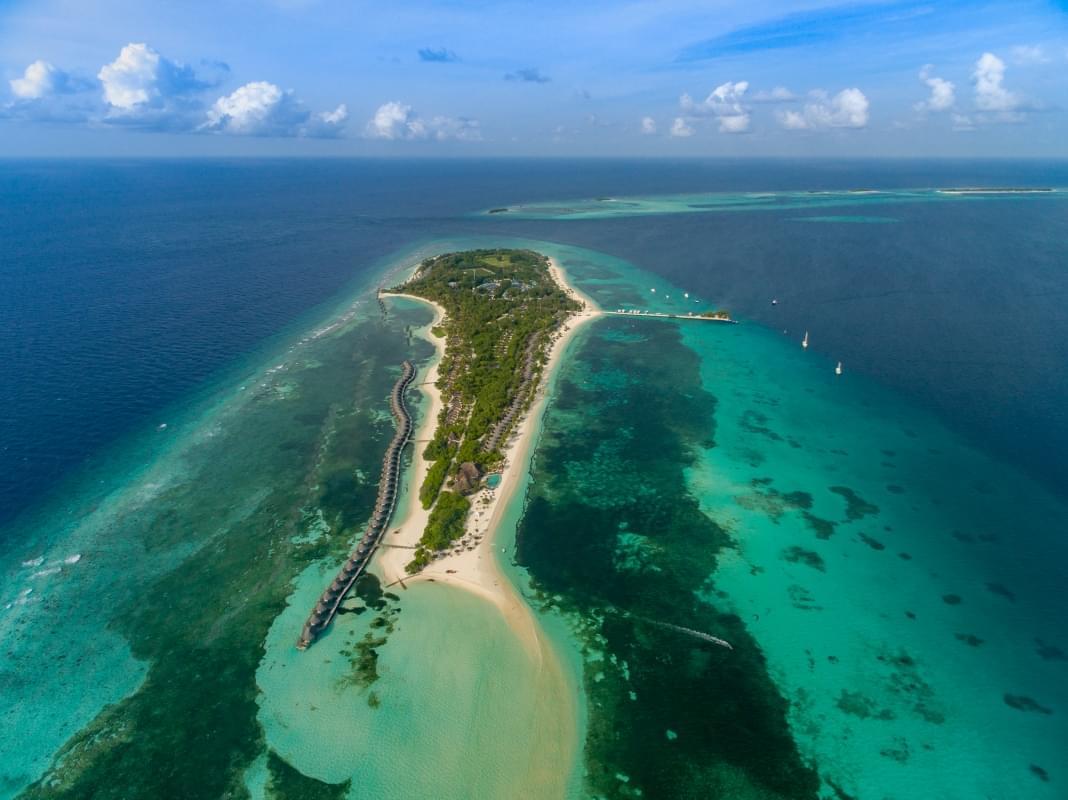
501 311
997 190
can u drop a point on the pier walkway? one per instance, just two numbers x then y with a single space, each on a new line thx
623 312
388 484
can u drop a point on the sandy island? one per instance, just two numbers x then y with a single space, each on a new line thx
477 569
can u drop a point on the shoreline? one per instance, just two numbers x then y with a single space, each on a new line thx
404 533
477 569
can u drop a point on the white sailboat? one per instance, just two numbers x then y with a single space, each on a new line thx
804 342
838 369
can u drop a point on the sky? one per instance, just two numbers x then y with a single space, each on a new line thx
477 78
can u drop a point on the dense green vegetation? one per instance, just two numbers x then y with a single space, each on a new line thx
445 526
435 476
501 307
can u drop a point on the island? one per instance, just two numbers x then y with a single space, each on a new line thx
997 190
502 310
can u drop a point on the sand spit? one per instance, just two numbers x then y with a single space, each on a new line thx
476 567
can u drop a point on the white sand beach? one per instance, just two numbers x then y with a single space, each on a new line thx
476 568
552 722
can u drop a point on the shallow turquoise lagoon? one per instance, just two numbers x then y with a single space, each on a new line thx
720 202
903 586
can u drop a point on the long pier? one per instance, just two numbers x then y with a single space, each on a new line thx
329 601
624 312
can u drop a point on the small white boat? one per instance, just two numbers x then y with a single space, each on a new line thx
686 295
838 369
774 301
804 342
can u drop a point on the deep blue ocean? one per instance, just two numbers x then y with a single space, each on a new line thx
125 285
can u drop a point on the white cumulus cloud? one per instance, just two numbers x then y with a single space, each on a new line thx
144 89
141 77
396 121
130 80
847 109
725 102
990 92
648 126
681 129
40 79
261 108
942 96
45 93
327 124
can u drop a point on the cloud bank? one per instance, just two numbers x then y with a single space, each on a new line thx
990 91
725 104
42 79
847 109
943 95
143 89
680 129
396 121
263 109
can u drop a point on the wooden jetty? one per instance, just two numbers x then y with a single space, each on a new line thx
625 312
326 609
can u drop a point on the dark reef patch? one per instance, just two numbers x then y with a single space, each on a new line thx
856 506
898 752
625 472
810 558
969 639
362 653
952 599
1023 703
823 528
907 682
1001 591
862 706
756 422
1049 652
871 541
1039 773
801 598
286 783
771 501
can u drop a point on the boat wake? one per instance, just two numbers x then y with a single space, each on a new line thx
707 637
